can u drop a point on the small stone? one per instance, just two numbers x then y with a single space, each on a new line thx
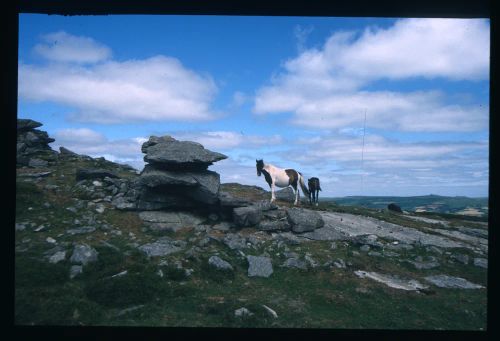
20 227
75 270
365 248
481 262
270 311
57 257
50 240
242 312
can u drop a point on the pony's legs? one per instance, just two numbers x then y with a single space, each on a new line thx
273 197
317 197
297 194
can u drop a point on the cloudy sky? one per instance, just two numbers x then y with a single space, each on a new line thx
371 106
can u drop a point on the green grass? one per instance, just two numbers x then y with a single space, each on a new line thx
313 298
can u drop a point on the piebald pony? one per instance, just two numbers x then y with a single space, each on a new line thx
281 178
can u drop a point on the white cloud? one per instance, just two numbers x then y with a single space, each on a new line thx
159 88
89 142
324 87
451 48
63 47
216 140
83 136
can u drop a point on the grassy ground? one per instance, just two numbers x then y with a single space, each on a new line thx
313 298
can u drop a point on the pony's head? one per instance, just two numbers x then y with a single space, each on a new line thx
259 165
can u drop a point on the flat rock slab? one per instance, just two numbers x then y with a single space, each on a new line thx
445 281
481 243
352 226
162 247
259 266
172 154
170 221
427 220
392 281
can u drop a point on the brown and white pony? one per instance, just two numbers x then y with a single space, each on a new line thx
314 188
281 178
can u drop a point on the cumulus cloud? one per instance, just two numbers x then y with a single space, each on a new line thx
92 143
159 88
63 47
324 87
228 139
414 168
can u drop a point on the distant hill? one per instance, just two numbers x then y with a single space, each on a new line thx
426 203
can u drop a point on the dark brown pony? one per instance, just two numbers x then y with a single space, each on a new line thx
314 188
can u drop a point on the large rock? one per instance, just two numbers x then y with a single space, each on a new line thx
27 124
247 216
285 194
303 220
259 266
168 153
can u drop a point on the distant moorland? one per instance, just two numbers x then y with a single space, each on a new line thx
427 203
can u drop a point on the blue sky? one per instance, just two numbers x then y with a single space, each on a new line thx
291 90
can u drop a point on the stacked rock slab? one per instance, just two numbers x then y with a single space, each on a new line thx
176 175
33 145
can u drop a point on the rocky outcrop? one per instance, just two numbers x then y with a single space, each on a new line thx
33 148
177 176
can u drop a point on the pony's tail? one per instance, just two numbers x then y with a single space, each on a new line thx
303 186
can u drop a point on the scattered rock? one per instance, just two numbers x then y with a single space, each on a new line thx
481 262
242 312
219 263
50 240
57 257
270 311
295 263
365 248
259 266
445 281
235 241
464 259
223 226
81 230
162 247
339 263
84 254
75 270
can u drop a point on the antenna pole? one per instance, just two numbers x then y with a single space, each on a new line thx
362 154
